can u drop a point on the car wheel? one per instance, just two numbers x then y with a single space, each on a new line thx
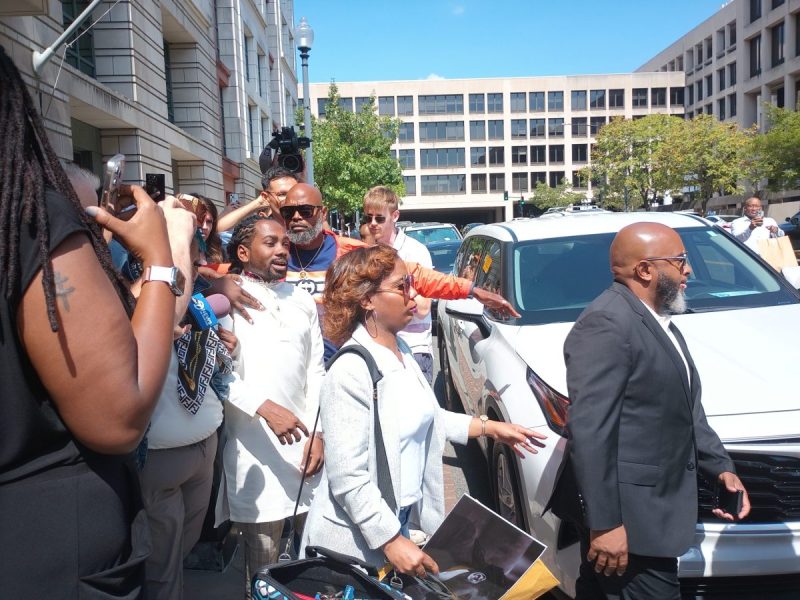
451 400
504 482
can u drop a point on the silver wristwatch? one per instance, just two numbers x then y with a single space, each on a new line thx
172 276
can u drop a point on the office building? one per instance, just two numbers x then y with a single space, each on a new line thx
464 143
189 89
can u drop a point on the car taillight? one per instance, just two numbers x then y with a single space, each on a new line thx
554 405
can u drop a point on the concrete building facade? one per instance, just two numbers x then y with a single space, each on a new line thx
745 55
464 143
191 89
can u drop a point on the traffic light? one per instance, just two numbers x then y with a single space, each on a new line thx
505 196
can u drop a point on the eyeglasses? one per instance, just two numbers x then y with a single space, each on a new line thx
304 210
403 288
679 261
367 219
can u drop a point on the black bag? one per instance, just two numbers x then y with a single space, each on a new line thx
324 572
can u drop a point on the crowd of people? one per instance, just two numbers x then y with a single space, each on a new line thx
118 397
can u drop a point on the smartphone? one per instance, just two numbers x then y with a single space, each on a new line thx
760 214
112 178
730 502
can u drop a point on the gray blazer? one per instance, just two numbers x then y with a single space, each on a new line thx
348 514
638 433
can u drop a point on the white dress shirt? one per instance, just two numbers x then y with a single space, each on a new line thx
740 229
417 333
279 359
664 321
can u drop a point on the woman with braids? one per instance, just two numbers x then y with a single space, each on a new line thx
368 300
81 368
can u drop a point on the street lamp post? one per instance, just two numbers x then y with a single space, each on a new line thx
305 38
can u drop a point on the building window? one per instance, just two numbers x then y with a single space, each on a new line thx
709 49
494 103
580 153
251 128
441 158
720 42
536 101
616 98
477 130
755 56
639 97
405 105
496 129
556 177
538 177
709 109
555 101
411 185
361 102
578 99
168 77
578 181
698 86
406 159
478 183
519 129
777 3
689 95
406 132
555 128
451 104
477 103
732 74
346 104
755 10
518 102
538 155
721 79
658 97
732 105
709 86
721 109
322 107
780 97
443 184
537 128
519 155
777 38
596 124
439 131
556 153
80 54
676 96
262 71
248 50
797 34
497 182
731 36
579 128
597 99
496 156
477 157
519 182
386 106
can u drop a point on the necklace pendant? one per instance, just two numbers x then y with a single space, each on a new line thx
303 274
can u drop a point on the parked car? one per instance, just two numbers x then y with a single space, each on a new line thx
430 232
465 229
551 268
723 221
443 255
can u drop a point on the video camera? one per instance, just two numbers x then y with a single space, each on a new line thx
287 145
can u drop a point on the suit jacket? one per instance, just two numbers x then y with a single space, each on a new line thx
348 513
637 429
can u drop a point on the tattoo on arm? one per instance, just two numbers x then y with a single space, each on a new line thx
62 289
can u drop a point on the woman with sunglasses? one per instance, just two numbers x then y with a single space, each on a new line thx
369 299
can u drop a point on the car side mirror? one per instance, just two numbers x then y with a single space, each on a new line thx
469 309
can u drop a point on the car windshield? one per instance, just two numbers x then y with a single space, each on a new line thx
555 279
443 257
434 234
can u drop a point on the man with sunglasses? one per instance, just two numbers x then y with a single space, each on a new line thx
313 249
381 212
638 435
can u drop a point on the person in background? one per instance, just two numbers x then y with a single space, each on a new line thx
381 211
365 234
82 366
273 400
753 226
369 299
213 252
275 184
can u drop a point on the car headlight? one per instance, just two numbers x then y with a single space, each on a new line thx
553 405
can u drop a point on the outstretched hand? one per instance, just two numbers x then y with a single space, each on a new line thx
495 302
518 437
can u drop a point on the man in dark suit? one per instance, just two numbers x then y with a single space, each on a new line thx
638 432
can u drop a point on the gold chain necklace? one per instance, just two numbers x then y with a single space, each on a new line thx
303 273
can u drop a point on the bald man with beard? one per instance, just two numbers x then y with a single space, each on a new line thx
637 431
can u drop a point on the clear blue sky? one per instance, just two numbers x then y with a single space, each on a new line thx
369 40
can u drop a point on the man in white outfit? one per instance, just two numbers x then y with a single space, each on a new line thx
273 398
754 226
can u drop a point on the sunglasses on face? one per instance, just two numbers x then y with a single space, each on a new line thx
304 210
679 261
403 288
379 219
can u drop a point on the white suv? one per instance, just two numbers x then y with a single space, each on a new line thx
741 331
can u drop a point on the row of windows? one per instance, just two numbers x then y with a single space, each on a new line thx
441 131
493 156
432 185
726 107
520 102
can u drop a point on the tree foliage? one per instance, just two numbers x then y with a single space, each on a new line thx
776 152
352 153
543 196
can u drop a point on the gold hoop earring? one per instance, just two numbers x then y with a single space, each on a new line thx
374 318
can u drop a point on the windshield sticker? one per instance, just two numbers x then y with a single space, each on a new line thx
487 262
732 293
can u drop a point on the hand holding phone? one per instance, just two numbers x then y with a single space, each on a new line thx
728 501
112 178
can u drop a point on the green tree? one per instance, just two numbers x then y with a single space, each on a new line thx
543 196
352 153
634 161
776 153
